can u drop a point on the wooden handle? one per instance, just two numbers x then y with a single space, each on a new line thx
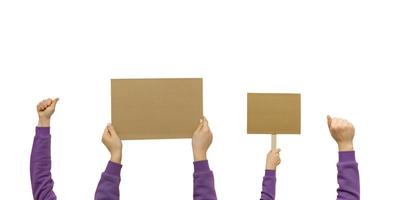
273 141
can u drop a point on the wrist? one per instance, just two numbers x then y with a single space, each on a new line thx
346 147
116 157
270 167
199 156
44 122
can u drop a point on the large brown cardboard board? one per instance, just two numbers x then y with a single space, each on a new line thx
273 113
156 108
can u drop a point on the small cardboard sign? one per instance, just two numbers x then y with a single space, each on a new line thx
156 108
273 113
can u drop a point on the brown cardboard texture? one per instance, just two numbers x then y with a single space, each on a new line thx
273 113
156 108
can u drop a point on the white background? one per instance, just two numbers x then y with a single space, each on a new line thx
342 56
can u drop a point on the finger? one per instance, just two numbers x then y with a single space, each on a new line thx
55 101
111 129
44 104
346 122
105 132
42 107
39 106
205 123
329 120
341 122
199 126
41 103
48 102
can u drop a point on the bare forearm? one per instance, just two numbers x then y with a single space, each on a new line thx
43 122
116 157
346 146
199 156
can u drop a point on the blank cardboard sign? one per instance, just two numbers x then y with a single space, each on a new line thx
156 108
273 113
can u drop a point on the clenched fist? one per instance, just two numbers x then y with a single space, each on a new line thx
45 110
201 140
273 159
113 143
342 131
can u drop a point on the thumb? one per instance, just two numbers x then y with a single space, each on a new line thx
199 126
111 129
329 120
105 135
205 123
54 102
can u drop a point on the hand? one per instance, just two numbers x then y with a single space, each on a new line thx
343 133
201 140
113 143
273 159
45 110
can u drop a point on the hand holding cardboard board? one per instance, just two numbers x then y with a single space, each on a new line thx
273 113
156 108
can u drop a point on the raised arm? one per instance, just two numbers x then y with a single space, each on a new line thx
203 178
343 132
108 187
269 180
40 163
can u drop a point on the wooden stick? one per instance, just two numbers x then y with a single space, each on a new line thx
273 141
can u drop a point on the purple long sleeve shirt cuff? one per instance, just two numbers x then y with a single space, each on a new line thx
348 177
201 166
347 156
271 173
203 181
113 169
42 132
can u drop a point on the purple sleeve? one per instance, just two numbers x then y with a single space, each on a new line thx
268 188
348 177
40 166
203 181
108 187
